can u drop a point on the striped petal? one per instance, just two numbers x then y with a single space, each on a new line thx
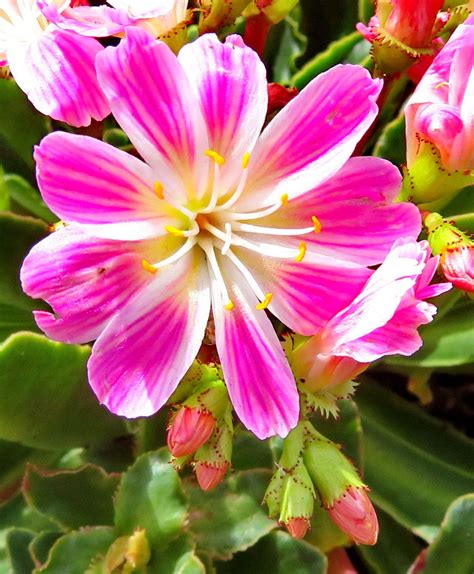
143 353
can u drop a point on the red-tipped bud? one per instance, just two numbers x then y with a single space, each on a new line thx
278 97
190 429
355 515
209 476
458 266
339 563
298 527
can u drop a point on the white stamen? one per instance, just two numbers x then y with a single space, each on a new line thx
215 189
247 274
208 248
189 244
256 214
265 248
237 193
228 241
271 230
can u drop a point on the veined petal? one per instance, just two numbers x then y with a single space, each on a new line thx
313 136
306 294
87 181
147 348
57 72
153 101
230 82
359 219
84 279
260 382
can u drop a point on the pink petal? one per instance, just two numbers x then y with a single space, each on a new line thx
313 136
85 280
57 72
260 382
306 294
87 181
360 221
230 82
153 101
147 348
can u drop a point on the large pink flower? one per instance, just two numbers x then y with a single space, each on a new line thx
216 215
55 68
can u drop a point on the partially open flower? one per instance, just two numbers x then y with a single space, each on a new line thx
355 515
190 429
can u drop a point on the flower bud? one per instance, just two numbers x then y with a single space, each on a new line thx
128 553
355 515
210 475
278 97
298 527
190 429
220 13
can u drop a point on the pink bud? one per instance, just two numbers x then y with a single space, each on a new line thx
298 527
458 267
355 515
209 476
190 429
339 563
278 97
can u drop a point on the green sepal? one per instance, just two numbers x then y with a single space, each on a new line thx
218 449
443 235
298 494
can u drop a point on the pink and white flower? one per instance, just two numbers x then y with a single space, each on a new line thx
55 68
216 215
382 320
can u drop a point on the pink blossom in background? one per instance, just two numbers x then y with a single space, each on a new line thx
216 215
382 320
55 68
441 110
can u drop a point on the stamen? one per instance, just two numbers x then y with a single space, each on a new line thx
317 224
265 303
272 230
441 84
229 306
182 232
247 274
208 248
215 156
284 199
149 267
265 248
228 241
302 252
263 213
159 189
189 244
245 160
215 188
237 193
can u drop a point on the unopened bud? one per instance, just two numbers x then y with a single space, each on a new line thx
339 563
355 515
128 553
190 429
210 475
278 97
298 527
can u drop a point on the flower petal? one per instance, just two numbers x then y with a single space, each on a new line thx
84 279
359 219
260 382
147 348
230 82
57 72
87 181
153 101
313 136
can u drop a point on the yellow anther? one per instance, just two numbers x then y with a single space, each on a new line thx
264 304
159 189
245 160
174 231
284 199
302 252
230 305
317 224
148 266
215 156
441 84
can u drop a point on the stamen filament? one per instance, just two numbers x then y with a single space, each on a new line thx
208 248
182 232
247 274
228 241
258 214
271 230
237 193
265 303
189 244
265 248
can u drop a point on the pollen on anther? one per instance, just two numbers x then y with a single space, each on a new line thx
174 231
284 199
302 252
441 84
266 302
215 156
317 224
148 266
229 306
245 160
159 189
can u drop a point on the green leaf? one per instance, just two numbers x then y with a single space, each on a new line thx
26 196
335 53
18 540
447 342
395 550
231 517
17 236
150 496
53 407
41 545
177 558
414 464
14 319
391 143
452 549
21 127
277 553
74 552
72 498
